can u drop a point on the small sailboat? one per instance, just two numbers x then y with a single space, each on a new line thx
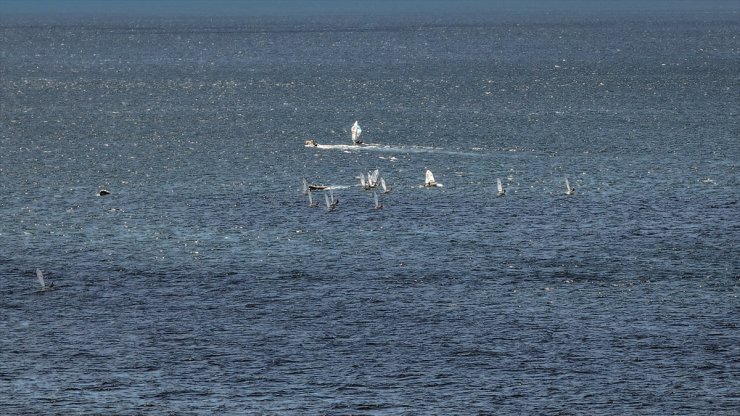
372 178
356 132
378 205
311 202
44 287
382 185
363 183
569 190
501 190
331 203
334 201
329 206
429 181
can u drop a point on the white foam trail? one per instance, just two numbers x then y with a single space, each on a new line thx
392 149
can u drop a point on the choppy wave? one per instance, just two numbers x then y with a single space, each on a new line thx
205 284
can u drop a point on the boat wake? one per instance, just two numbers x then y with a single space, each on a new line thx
373 147
332 187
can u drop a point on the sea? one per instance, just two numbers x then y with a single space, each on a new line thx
205 284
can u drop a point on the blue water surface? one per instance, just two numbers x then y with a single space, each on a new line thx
204 284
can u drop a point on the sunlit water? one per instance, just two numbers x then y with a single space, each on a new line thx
205 284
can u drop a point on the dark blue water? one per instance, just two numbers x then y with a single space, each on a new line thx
204 284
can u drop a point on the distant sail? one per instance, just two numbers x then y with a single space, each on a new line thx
311 202
429 180
356 132
501 191
378 205
382 185
331 203
363 184
40 276
372 178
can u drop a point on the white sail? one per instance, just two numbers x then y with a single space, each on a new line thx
429 181
363 184
378 205
331 203
305 186
311 203
372 178
356 132
501 191
40 276
382 185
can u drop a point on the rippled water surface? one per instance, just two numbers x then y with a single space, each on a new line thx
204 284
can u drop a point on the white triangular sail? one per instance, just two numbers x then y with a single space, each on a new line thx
311 203
500 186
40 276
378 205
363 184
382 185
331 203
429 180
356 132
372 178
305 186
